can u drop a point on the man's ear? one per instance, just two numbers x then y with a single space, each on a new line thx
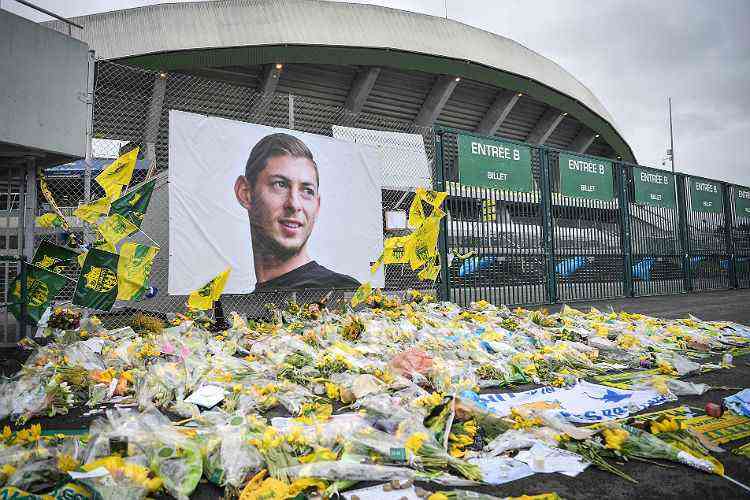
242 192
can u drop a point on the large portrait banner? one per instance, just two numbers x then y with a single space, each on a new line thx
283 209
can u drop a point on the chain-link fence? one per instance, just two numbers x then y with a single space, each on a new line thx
131 109
505 247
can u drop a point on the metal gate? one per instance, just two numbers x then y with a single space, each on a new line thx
739 232
707 261
495 248
588 256
655 244
545 246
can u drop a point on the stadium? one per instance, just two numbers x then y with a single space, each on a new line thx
404 82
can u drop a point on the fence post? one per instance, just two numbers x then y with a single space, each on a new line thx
728 224
547 229
684 233
625 243
444 287
24 299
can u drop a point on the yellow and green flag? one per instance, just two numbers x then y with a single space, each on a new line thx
53 257
116 227
91 212
97 282
133 205
118 174
133 270
49 220
204 297
42 286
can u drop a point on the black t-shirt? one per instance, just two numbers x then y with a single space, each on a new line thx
310 275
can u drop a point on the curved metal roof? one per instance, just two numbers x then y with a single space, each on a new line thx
226 32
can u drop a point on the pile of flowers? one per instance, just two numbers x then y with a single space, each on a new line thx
313 401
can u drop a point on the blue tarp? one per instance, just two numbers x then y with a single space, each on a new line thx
474 264
567 267
97 165
642 270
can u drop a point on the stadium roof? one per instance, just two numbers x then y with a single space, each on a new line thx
220 38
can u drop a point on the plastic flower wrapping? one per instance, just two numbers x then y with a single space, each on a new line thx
312 401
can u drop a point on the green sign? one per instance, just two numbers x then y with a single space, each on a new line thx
494 164
742 201
705 196
583 177
653 188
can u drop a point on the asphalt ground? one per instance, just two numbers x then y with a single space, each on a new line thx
667 480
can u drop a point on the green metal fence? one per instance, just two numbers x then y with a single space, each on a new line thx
639 232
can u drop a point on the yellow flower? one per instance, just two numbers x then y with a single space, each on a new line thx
438 496
614 438
332 390
7 433
429 400
236 388
66 463
415 441
319 455
305 483
666 368
269 489
7 470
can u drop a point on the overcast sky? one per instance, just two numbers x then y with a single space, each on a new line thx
632 54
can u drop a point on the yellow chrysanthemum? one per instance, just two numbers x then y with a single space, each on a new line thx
66 463
415 441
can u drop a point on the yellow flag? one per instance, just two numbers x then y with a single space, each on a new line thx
364 291
48 220
430 272
394 250
423 243
204 297
92 211
133 270
115 228
118 174
434 198
416 212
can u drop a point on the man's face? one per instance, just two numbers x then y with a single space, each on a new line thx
283 205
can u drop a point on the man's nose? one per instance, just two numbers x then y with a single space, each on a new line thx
293 201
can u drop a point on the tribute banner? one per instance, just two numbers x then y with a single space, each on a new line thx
494 164
705 196
653 188
283 209
742 201
582 177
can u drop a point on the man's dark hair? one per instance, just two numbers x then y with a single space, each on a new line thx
272 146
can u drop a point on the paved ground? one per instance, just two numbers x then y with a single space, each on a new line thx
728 305
655 482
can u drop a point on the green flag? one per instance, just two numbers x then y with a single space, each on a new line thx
134 204
41 287
53 257
97 283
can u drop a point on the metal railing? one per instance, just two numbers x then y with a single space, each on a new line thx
557 248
